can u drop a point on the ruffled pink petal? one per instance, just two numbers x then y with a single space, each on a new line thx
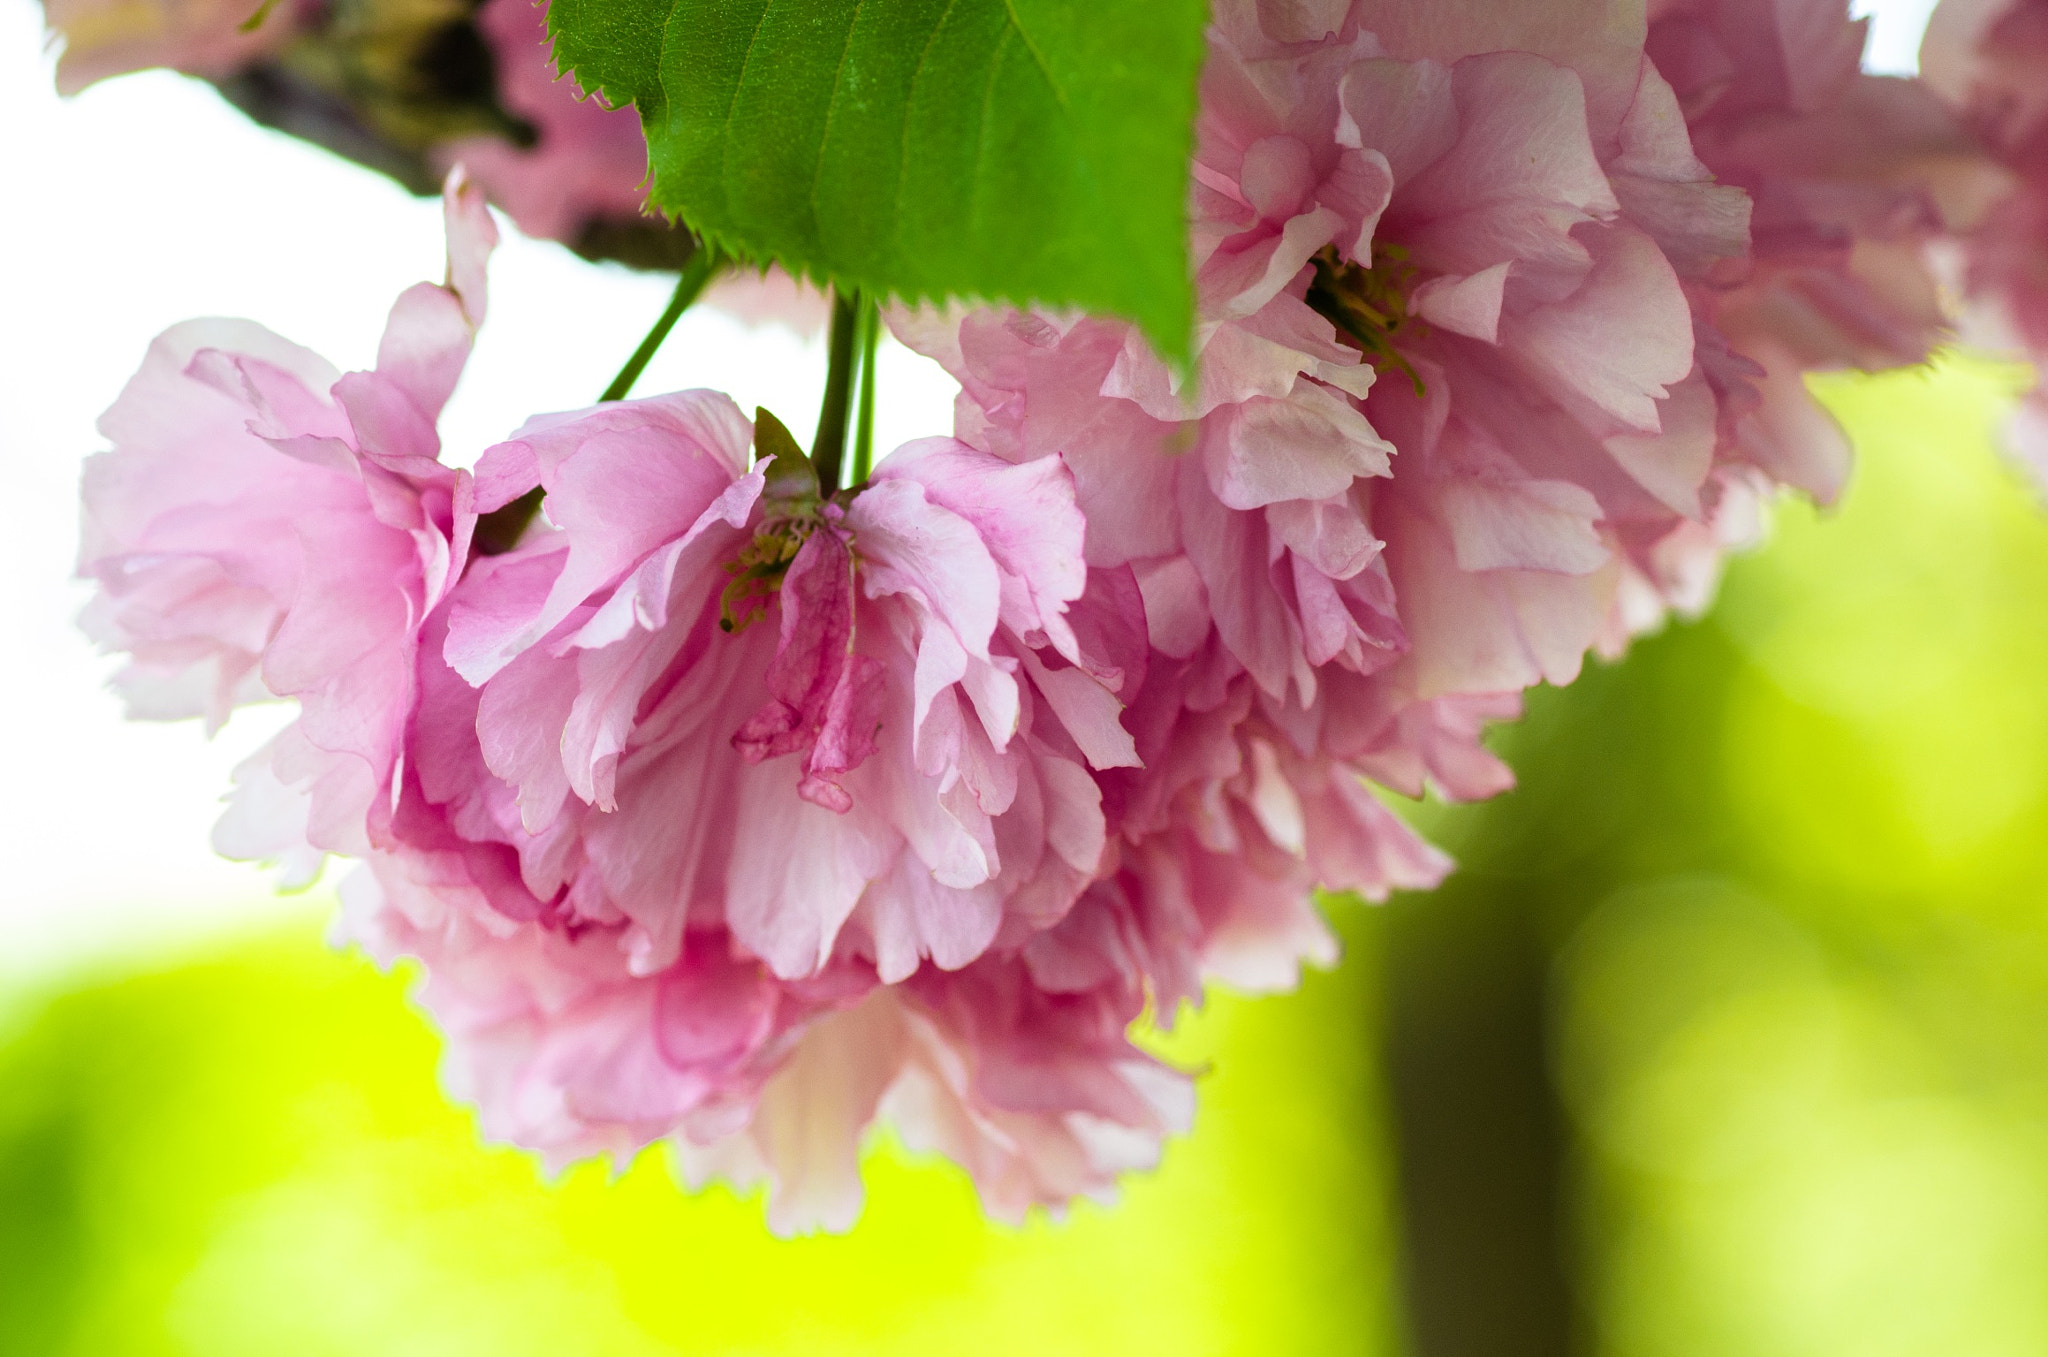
822 700
621 480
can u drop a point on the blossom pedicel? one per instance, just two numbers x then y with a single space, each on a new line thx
728 807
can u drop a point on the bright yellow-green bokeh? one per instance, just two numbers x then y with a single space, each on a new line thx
249 1157
1814 1088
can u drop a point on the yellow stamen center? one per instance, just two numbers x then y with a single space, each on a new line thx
758 570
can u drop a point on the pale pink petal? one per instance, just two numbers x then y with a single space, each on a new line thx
1309 446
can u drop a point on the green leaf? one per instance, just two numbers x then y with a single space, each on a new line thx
613 48
1030 151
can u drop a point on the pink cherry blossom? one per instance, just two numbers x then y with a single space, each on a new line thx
883 685
265 527
1531 358
731 810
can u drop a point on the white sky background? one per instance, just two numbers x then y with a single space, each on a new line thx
146 201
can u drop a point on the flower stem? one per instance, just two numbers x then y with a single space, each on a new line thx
703 266
829 446
864 427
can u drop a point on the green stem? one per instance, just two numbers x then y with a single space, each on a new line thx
703 266
829 447
864 429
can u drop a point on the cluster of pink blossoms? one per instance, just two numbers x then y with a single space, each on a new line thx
728 812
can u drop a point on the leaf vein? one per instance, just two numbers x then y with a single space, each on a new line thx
1037 58
988 99
909 104
725 121
831 106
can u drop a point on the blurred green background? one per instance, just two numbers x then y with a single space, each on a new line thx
1730 1038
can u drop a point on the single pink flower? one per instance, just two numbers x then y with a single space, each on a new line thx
882 685
661 882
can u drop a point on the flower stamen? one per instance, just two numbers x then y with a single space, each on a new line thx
1369 304
792 510
758 570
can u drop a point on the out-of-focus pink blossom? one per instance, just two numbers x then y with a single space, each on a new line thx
588 166
1988 59
1853 176
200 37
266 527
588 162
771 296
